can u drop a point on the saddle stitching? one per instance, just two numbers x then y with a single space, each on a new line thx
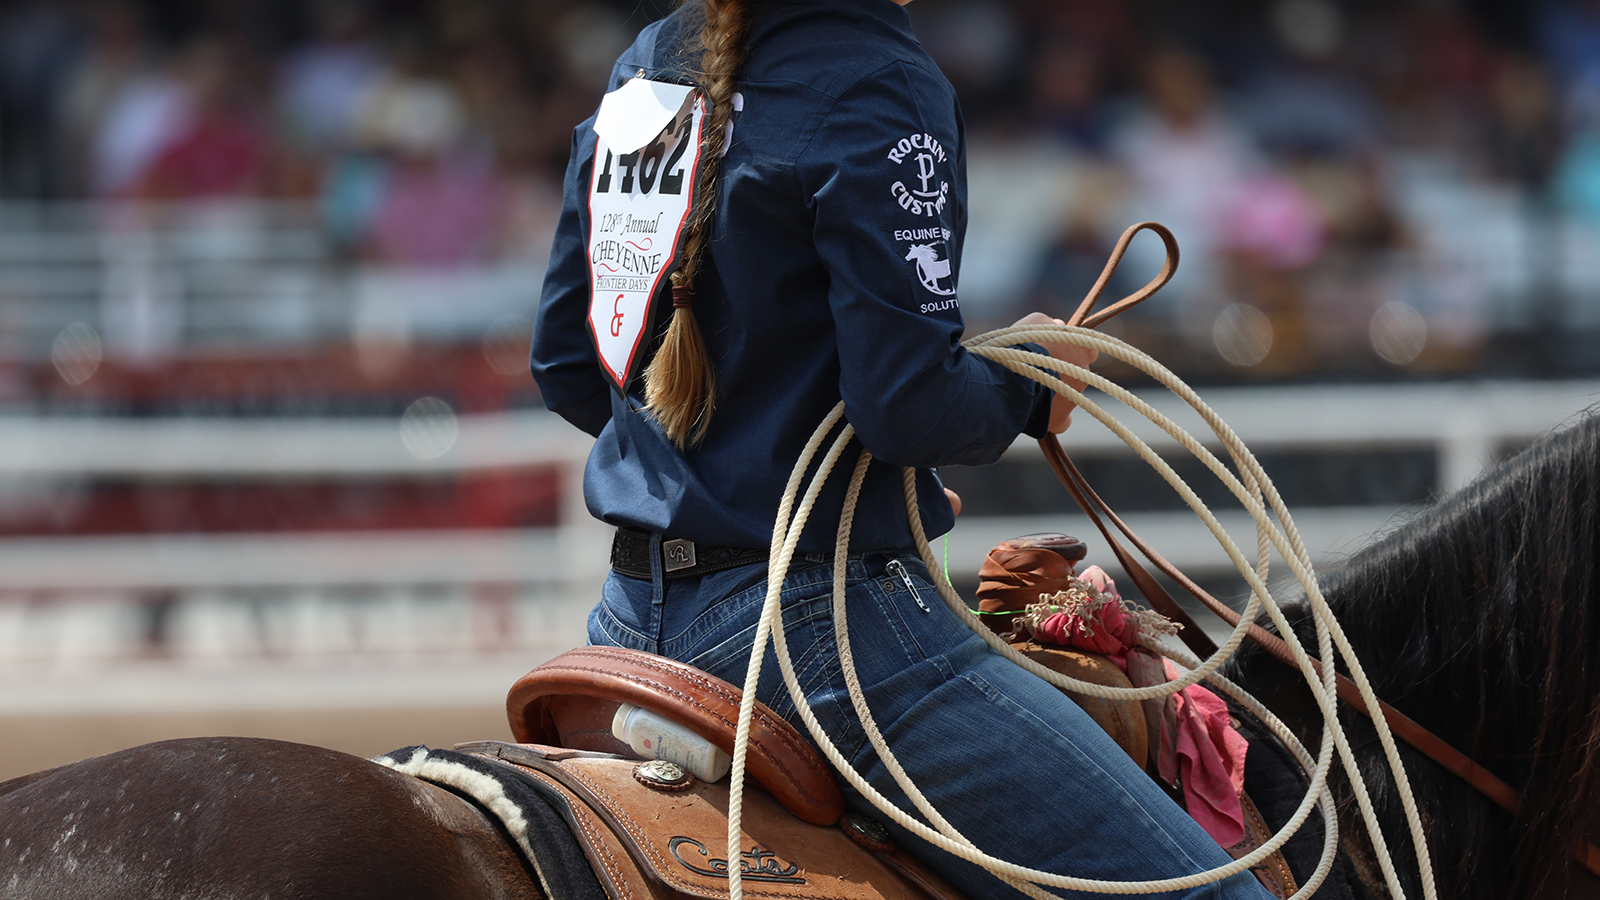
613 869
1273 872
802 752
726 692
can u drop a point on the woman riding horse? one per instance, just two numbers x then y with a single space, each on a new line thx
830 172
1480 620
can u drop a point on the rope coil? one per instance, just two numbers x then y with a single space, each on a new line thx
1251 487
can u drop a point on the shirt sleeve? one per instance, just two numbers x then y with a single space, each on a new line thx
563 360
885 177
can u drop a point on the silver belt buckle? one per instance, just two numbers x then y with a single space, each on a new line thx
676 554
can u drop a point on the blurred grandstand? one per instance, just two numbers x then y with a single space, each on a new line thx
267 272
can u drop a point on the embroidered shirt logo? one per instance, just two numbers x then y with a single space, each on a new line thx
927 193
755 864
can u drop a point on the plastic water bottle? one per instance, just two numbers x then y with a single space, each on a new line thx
656 737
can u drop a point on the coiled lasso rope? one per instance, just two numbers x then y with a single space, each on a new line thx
1255 492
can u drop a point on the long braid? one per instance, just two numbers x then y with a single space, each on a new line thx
679 385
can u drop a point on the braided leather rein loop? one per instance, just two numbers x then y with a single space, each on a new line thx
1170 268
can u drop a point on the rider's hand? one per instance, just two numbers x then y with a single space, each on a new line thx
955 501
1061 408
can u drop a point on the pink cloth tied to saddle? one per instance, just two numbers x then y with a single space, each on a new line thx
1196 741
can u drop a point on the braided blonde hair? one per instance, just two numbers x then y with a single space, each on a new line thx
679 384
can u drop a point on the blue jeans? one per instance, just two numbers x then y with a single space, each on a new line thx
1011 762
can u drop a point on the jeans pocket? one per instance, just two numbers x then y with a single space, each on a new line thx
899 612
623 616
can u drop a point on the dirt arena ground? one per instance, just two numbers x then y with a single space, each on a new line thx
29 743
364 707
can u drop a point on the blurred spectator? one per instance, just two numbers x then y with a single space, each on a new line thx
144 116
1067 90
1521 137
1319 160
115 51
322 84
37 46
217 145
1576 185
1187 162
1569 37
1305 100
440 199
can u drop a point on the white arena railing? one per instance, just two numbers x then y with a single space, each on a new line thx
1468 425
67 600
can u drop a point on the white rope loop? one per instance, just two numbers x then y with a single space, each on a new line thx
1295 554
1008 871
1255 492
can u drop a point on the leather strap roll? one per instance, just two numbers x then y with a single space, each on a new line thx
1018 571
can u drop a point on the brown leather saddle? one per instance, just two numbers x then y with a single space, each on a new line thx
652 831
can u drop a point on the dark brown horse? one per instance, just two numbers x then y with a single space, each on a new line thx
1480 619
239 817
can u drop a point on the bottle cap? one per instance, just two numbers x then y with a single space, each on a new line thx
619 722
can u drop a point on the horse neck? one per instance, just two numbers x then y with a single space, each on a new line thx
1478 619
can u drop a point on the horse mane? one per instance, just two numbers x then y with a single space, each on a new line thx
1479 619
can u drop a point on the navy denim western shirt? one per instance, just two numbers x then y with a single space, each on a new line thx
831 274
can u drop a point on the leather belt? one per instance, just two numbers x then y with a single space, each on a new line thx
680 558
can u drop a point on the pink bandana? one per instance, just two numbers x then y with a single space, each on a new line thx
1195 743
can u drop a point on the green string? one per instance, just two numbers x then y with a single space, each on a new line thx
947 557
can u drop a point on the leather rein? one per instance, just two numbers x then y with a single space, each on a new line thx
1403 726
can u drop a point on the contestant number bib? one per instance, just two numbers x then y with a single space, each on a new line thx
638 204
